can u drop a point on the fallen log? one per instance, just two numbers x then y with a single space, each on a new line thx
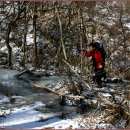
1 66
106 102
30 73
75 97
52 91
23 72
59 94
88 86
43 86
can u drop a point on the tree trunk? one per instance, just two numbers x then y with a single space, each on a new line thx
9 47
25 36
61 33
34 35
83 38
8 34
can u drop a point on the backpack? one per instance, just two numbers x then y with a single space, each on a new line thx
99 46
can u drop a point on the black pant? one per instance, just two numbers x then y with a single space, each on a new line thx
99 73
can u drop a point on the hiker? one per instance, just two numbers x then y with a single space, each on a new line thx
98 55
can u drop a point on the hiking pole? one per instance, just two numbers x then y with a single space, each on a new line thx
88 86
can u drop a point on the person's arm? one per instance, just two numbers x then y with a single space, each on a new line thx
99 60
87 54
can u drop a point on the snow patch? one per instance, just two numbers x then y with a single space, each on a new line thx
4 100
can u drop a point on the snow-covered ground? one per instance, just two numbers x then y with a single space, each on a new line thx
37 108
28 117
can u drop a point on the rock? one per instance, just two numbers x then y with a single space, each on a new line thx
106 94
12 100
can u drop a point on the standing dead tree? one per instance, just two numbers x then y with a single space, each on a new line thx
61 33
14 19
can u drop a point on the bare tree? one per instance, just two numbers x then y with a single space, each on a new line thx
61 33
25 36
9 27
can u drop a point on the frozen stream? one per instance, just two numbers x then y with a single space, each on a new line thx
23 87
22 112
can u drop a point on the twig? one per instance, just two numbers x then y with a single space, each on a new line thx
126 69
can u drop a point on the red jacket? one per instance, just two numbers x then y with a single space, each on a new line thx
96 56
